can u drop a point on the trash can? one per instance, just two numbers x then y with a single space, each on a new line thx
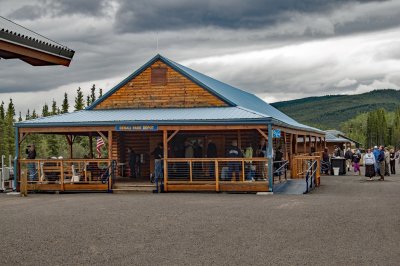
336 170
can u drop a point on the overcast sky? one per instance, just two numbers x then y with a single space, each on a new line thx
277 49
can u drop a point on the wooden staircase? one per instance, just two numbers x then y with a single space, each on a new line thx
133 187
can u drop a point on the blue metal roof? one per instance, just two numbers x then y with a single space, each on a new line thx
166 116
237 99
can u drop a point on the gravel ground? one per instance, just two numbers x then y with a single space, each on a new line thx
347 221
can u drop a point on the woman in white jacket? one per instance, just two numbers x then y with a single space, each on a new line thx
369 162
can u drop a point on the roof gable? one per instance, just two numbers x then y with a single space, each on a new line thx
158 85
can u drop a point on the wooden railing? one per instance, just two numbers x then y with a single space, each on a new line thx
65 171
216 172
301 165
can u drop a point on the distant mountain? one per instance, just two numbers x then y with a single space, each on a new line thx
330 111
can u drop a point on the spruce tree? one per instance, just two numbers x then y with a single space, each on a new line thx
100 93
88 101
93 94
54 108
2 129
79 102
28 115
10 128
65 104
45 110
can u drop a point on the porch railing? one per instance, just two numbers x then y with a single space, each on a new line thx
67 171
216 171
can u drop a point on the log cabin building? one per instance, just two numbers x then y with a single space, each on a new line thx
184 110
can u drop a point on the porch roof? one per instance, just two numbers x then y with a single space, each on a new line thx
13 34
165 116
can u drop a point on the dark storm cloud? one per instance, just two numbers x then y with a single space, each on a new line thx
59 8
158 15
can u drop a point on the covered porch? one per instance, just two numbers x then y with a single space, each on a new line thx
180 173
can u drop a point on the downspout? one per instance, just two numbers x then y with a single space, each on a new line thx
270 159
16 158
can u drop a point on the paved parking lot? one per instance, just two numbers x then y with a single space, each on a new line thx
346 221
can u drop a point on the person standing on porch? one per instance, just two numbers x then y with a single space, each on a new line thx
158 165
248 164
31 155
132 162
234 166
262 152
211 153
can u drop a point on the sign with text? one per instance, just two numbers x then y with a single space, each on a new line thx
136 128
276 133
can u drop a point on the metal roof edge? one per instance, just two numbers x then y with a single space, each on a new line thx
309 129
161 122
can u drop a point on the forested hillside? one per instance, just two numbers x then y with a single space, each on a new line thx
327 112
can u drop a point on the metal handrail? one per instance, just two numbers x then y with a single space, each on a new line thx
283 166
311 169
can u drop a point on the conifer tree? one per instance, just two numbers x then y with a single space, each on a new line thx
93 94
28 115
100 93
2 129
54 107
65 104
88 101
45 110
20 117
10 129
79 102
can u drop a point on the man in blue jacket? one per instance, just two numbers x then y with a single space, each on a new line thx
376 153
381 163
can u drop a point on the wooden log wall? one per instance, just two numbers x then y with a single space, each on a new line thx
178 91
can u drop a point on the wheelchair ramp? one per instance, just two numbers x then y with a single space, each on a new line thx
291 187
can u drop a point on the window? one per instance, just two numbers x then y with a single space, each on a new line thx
159 76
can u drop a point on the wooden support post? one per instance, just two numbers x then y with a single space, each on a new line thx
270 160
23 137
90 145
262 133
305 144
173 135
102 136
165 157
190 171
70 142
62 176
239 139
216 176
243 171
110 145
295 136
315 143
318 173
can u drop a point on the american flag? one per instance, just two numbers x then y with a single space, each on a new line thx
99 144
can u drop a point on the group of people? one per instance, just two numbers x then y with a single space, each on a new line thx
380 161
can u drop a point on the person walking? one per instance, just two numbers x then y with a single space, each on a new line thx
325 161
356 162
387 161
348 156
369 162
158 154
376 154
248 164
381 162
393 157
